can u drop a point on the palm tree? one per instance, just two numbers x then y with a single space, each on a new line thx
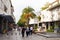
39 18
27 14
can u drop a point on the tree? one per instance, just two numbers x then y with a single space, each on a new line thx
27 14
48 4
39 18
45 6
20 23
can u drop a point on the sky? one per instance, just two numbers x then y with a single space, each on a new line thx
19 5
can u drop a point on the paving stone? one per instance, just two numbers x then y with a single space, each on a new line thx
17 36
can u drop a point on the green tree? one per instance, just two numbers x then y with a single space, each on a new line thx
45 6
27 14
39 18
20 23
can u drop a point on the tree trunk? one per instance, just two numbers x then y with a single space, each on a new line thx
28 22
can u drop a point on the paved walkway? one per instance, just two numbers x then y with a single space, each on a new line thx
14 35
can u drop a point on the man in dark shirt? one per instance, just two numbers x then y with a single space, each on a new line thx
23 31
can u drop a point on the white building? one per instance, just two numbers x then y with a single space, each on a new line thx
6 7
50 17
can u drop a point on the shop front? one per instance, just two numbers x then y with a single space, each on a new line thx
5 23
53 26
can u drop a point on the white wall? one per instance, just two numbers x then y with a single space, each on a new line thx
46 16
33 21
6 3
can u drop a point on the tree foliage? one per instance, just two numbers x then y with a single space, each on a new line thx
27 13
45 6
39 18
20 23
27 10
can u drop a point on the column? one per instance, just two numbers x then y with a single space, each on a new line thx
49 26
55 28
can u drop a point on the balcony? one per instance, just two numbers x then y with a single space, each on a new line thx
54 5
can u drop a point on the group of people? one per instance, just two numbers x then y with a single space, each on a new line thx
28 31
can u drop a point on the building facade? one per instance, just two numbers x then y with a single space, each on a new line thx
6 15
50 18
6 7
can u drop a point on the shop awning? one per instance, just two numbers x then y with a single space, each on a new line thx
9 18
1 15
1 18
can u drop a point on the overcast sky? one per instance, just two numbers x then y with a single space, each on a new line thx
19 5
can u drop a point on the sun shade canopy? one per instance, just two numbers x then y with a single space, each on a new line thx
9 18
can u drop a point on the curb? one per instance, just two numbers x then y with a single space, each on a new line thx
48 36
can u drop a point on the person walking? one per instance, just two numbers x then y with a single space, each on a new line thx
23 31
19 28
27 31
31 30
